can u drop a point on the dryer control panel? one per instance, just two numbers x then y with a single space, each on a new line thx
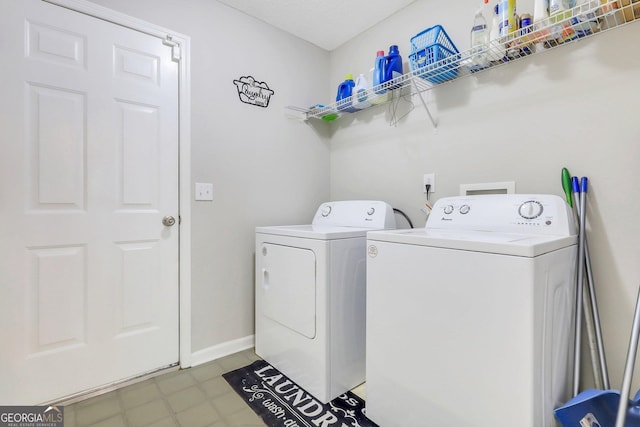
511 213
356 213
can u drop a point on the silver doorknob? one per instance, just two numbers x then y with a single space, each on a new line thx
168 221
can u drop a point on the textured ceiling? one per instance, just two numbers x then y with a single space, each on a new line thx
325 23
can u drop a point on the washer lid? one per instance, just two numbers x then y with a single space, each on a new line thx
318 232
525 245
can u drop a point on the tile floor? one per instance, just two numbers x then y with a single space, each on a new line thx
189 398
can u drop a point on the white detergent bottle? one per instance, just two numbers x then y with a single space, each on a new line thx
377 96
361 93
479 40
497 52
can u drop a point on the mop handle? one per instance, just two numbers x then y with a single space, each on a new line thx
604 372
579 286
628 369
592 292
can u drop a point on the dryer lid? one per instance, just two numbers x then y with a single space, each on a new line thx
319 232
340 220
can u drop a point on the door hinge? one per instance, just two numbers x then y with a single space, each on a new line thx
176 53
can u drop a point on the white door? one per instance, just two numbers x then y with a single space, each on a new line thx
88 170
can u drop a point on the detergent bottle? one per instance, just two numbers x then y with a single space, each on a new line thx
360 96
393 67
345 90
479 40
379 73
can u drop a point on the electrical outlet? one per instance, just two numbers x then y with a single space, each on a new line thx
204 191
429 179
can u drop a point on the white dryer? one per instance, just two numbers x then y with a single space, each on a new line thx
310 296
470 319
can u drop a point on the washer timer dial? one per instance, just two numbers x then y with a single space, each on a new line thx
530 209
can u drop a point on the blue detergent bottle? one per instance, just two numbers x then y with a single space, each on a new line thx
345 90
379 73
393 66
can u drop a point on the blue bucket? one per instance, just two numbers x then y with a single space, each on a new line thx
597 408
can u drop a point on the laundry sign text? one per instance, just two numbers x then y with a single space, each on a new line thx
282 403
253 92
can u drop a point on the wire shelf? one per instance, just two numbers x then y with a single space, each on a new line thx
581 22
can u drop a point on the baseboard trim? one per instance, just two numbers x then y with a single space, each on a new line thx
221 350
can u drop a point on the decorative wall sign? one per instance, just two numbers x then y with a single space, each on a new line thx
253 92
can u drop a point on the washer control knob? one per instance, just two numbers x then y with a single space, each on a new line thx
371 211
326 210
464 209
448 209
530 209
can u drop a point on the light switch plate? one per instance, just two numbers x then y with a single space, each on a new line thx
204 191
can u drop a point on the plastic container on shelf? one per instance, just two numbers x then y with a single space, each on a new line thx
586 23
498 51
343 98
540 21
327 114
479 40
559 10
360 96
433 56
507 23
540 10
630 9
393 66
379 72
378 95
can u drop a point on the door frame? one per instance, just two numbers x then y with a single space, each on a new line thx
184 151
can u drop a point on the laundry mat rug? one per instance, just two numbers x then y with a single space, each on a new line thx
281 403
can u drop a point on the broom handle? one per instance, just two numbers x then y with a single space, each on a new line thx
579 285
628 369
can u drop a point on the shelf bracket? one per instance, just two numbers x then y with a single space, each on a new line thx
424 104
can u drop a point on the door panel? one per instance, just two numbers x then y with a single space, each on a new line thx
89 130
289 287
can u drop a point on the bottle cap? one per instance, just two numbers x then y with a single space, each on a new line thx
348 76
393 49
380 53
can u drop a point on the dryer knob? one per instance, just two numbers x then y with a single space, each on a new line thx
448 209
464 209
371 211
326 210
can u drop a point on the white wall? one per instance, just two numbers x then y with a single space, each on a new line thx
574 107
265 169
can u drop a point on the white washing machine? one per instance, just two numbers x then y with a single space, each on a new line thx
470 319
310 296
